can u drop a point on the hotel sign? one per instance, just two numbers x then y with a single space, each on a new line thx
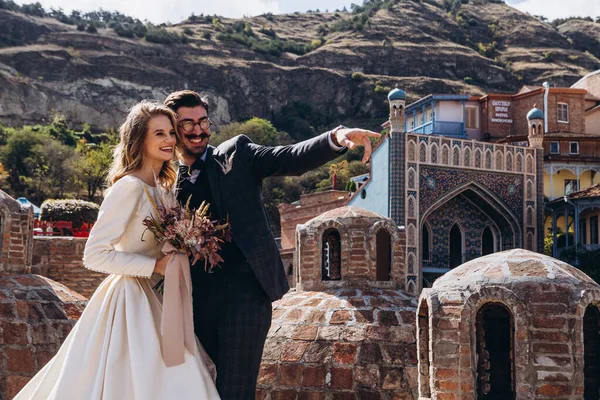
501 112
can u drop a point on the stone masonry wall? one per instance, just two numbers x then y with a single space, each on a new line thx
16 225
310 206
36 315
358 256
546 300
61 259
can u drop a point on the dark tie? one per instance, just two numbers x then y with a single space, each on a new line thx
185 171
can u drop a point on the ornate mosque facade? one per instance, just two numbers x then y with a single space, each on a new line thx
457 198
467 176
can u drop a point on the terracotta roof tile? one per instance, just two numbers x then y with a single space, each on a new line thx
592 191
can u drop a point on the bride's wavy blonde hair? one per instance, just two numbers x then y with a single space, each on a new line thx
128 156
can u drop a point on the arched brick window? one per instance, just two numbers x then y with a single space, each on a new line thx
331 266
591 353
384 255
495 343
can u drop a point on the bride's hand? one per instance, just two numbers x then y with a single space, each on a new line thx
161 265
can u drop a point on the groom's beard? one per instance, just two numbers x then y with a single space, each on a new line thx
195 149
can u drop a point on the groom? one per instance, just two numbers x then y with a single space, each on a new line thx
232 303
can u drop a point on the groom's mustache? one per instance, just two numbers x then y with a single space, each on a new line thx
200 136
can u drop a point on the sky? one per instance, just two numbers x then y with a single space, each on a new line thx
159 11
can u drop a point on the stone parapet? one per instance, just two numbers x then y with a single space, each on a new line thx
61 259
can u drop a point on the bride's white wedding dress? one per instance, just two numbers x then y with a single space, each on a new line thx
114 350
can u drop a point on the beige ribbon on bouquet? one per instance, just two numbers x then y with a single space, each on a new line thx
177 324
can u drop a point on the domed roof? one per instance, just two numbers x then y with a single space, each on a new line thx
512 267
397 94
342 340
346 214
535 113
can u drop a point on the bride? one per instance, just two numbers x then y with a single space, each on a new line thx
114 350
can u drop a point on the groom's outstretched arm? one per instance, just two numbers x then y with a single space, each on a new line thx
302 157
294 159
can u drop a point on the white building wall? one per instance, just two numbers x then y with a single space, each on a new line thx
376 190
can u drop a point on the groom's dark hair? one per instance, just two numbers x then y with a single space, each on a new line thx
185 98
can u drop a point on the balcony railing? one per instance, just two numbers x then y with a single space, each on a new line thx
444 128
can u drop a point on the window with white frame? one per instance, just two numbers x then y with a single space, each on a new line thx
472 120
563 112
554 147
574 147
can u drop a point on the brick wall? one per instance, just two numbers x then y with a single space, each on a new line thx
61 259
16 230
519 105
36 315
576 104
546 300
358 230
310 206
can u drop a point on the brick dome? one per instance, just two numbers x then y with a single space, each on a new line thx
346 214
514 324
36 315
366 250
512 267
341 344
348 329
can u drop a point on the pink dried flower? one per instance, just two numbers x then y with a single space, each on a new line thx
190 231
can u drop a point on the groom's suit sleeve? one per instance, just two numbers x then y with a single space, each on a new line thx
294 159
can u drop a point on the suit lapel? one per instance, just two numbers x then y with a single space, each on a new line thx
213 170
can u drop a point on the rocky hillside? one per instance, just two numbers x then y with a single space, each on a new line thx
302 71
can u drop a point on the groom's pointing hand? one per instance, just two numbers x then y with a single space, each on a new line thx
352 137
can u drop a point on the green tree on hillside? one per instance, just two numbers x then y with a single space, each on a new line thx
59 129
50 170
259 130
37 165
91 166
20 147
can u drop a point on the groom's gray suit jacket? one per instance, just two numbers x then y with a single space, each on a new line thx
235 171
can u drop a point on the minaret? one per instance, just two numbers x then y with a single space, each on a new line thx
535 119
397 99
397 173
